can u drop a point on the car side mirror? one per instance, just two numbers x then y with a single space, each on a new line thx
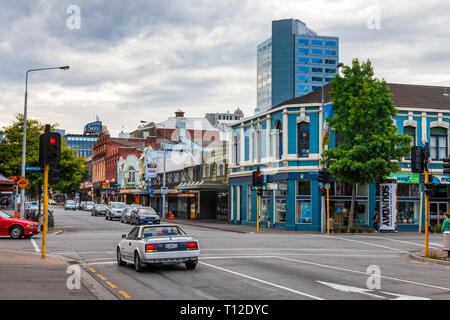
124 236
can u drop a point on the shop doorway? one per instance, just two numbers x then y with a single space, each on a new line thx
437 212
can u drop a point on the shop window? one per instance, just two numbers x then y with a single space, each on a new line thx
407 212
304 188
402 190
280 203
304 212
340 211
343 189
265 216
363 190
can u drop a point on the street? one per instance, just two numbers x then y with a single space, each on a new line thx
251 266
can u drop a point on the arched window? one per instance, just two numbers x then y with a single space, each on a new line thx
131 175
438 143
278 140
411 131
303 139
236 149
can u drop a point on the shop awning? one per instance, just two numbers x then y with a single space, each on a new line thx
202 185
5 180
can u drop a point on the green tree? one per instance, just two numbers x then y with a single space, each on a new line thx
371 147
72 168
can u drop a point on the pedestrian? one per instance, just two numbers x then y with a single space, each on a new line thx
376 221
446 223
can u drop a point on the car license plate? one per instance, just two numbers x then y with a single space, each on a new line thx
171 245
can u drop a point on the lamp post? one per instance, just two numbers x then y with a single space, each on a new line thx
164 170
24 141
340 64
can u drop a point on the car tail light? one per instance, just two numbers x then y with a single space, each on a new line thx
192 246
150 247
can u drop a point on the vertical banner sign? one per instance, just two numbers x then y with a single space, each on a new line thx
388 209
327 112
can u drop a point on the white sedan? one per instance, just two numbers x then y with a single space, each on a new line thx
157 245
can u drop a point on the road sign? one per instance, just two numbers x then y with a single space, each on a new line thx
32 168
22 182
164 190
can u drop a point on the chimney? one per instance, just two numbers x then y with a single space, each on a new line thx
179 114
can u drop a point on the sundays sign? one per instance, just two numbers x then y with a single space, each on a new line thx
387 205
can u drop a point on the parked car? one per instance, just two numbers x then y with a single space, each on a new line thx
115 210
80 205
17 228
144 215
99 209
89 206
126 214
157 245
70 205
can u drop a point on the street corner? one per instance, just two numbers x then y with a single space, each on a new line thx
11 257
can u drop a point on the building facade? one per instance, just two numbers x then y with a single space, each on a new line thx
286 143
293 62
83 144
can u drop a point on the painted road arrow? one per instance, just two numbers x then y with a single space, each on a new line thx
368 292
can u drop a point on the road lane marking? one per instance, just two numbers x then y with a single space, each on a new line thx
36 247
419 262
367 243
401 241
97 259
124 294
295 249
222 256
110 284
262 281
101 277
364 273
100 263
92 270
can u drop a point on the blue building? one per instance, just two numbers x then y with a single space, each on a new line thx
293 62
286 143
83 144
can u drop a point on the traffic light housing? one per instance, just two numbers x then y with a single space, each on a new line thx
446 165
323 190
53 175
417 159
257 178
50 149
323 176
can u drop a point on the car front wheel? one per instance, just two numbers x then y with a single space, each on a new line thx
16 232
120 262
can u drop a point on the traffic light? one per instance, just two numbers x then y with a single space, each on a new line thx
257 178
53 175
50 149
417 159
323 176
323 190
446 165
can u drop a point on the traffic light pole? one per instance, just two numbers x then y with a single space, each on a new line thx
426 213
328 208
45 217
257 209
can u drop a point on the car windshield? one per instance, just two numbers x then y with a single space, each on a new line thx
4 215
90 203
146 211
118 205
100 206
161 231
70 202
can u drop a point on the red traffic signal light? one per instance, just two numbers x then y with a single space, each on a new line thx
52 141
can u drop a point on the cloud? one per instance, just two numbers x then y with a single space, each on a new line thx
142 60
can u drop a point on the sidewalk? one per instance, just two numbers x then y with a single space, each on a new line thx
26 276
225 226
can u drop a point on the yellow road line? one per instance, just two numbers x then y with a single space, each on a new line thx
419 262
124 294
101 277
91 270
110 284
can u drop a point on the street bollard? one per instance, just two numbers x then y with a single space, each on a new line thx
446 242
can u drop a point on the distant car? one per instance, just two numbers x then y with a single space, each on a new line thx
157 245
99 209
89 206
126 214
70 205
52 202
81 205
115 210
17 228
144 215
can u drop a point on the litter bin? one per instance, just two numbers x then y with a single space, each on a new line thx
446 242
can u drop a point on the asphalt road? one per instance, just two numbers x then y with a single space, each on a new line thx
253 266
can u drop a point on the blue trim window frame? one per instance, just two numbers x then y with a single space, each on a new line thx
410 131
303 204
303 139
438 144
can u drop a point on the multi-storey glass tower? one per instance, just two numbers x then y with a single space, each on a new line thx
293 62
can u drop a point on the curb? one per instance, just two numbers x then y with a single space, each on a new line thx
209 227
423 259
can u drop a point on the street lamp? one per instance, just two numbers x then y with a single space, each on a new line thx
24 141
164 172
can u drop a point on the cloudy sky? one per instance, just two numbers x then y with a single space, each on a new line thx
141 60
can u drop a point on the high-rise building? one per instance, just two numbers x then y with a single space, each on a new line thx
293 62
83 144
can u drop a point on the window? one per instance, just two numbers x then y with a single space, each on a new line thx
278 140
330 43
304 188
438 144
249 203
318 79
303 69
328 79
303 78
131 175
316 87
304 210
303 139
303 51
303 60
303 88
316 60
330 70
330 52
316 51
236 149
258 145
411 131
280 205
303 41
316 42
206 171
316 69
330 61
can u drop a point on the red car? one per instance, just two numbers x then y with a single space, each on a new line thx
17 228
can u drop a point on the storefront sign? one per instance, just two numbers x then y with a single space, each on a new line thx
186 195
387 206
151 170
441 179
405 178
